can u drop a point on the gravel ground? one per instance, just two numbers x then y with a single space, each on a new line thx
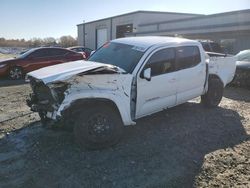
186 146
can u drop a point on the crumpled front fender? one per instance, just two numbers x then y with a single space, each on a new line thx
115 88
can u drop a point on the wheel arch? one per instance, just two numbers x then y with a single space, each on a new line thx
81 102
215 76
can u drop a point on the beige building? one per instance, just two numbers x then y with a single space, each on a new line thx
230 29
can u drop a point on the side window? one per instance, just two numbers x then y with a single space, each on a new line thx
161 62
56 52
39 53
187 57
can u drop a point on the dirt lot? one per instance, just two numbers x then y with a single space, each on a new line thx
187 146
6 56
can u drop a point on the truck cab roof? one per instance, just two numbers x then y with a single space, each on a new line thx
148 41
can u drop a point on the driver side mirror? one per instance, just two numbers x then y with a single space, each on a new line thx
147 74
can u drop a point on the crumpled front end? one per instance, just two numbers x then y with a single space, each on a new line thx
54 91
46 99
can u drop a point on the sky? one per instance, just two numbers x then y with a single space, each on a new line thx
54 18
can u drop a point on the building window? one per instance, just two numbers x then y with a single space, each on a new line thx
122 30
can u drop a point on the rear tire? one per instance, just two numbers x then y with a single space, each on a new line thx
214 94
98 127
16 73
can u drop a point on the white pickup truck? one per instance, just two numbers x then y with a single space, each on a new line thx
124 80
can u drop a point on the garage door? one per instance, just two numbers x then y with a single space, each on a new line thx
102 37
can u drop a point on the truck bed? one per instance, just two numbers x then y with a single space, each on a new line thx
224 67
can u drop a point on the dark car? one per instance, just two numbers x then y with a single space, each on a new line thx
242 74
82 49
36 58
211 46
213 49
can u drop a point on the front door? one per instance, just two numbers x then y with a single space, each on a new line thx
159 92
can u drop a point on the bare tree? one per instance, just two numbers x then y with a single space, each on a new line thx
67 41
49 41
64 41
35 42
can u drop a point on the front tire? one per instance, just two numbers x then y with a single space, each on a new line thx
16 73
98 127
214 94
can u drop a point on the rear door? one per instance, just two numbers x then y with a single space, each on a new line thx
160 92
56 56
37 60
191 73
73 56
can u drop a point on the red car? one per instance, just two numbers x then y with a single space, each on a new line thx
35 59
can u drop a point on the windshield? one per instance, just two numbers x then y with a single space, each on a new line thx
121 55
24 55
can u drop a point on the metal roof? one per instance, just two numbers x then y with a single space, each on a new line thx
141 11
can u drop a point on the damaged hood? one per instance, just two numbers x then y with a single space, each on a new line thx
66 70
